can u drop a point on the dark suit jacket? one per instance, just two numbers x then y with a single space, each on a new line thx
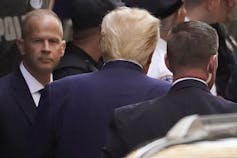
17 110
231 88
136 124
74 112
226 60
75 61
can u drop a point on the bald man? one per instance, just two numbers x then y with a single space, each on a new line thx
41 47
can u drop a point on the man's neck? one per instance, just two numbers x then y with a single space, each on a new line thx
44 78
190 74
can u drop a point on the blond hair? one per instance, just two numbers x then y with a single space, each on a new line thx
129 33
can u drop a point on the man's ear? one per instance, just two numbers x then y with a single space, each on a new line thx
181 14
20 46
211 69
215 60
63 47
213 63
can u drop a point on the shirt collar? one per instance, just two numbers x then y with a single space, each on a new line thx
188 78
33 84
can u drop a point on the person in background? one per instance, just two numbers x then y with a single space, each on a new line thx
192 58
231 25
215 12
41 47
82 54
170 12
231 88
75 123
11 14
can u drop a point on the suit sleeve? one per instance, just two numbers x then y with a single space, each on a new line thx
115 146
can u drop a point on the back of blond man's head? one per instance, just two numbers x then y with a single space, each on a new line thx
130 34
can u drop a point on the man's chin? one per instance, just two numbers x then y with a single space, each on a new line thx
46 69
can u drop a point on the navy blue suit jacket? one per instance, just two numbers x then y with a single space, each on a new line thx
231 87
74 112
136 124
17 110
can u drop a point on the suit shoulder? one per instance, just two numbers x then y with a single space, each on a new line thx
135 111
157 82
72 81
225 106
5 81
229 104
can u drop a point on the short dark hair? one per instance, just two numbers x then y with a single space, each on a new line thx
190 44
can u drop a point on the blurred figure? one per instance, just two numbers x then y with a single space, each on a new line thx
75 124
41 47
192 57
82 54
209 11
170 12
233 15
214 12
231 88
232 4
11 13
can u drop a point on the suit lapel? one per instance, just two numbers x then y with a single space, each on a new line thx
22 95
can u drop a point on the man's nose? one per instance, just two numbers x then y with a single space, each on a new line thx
46 47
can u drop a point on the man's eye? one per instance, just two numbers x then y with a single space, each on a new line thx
37 41
54 41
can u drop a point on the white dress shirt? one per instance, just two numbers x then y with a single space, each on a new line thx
33 84
157 68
